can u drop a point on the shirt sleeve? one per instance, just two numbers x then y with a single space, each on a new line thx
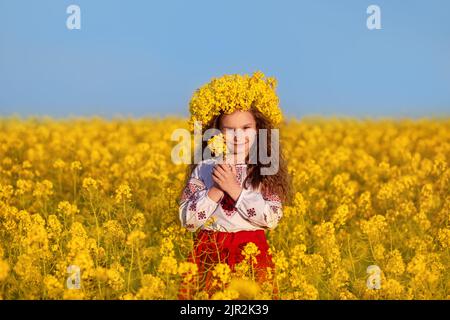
195 206
261 209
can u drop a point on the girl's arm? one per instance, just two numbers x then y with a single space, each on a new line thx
263 210
196 206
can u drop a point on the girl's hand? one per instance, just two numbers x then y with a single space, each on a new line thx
224 175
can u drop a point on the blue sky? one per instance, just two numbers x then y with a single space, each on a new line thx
140 58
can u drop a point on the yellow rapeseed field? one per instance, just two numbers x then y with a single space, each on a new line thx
100 195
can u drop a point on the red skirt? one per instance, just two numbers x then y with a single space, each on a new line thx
212 247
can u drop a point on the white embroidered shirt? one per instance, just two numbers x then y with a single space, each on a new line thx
252 210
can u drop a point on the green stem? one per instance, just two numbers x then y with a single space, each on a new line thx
131 267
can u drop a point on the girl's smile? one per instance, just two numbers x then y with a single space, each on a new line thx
239 129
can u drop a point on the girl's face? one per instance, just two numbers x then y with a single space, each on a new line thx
239 129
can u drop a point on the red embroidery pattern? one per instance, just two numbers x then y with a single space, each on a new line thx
195 197
201 215
251 212
193 206
190 189
190 226
277 212
228 205
274 208
271 197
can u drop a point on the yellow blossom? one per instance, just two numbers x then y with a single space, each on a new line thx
232 92
152 288
4 270
123 193
136 237
217 144
66 208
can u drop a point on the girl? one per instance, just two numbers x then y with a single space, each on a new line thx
232 203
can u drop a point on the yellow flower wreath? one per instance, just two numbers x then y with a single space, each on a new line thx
232 92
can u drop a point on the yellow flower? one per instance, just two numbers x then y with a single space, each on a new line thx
54 227
378 252
43 189
281 265
303 289
227 294
374 227
347 295
426 269
300 203
114 230
72 294
115 280
90 183
168 266
75 166
247 289
135 238
127 296
54 288
59 164
221 274
395 264
392 289
166 247
250 252
4 270
123 193
187 270
66 208
6 191
152 288
365 192
341 215
217 144
235 92
138 220
444 237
